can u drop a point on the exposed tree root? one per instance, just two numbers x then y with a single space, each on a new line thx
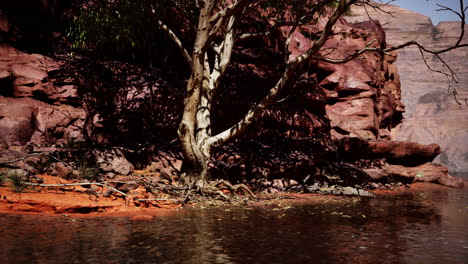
216 188
234 188
186 194
189 192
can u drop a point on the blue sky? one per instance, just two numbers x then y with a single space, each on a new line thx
428 8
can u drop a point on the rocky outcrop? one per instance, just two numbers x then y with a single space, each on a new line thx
363 95
113 162
34 106
394 152
427 172
432 114
359 100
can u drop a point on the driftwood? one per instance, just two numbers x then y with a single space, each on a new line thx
98 184
31 155
78 184
158 200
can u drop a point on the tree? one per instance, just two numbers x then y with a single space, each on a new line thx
216 35
215 39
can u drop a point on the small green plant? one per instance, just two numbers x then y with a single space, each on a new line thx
17 178
86 170
88 173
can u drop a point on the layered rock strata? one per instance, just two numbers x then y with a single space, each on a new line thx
432 114
34 106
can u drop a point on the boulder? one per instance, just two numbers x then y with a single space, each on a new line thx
427 172
128 186
34 106
363 95
113 161
401 152
394 152
16 120
24 119
29 72
354 117
61 170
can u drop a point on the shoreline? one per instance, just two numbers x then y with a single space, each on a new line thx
76 202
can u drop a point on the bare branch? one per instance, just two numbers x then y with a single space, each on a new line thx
31 155
350 57
450 77
218 19
327 31
253 35
435 52
461 15
238 128
159 200
288 40
177 41
446 8
77 184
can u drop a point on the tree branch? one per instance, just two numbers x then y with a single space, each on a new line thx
348 58
327 31
252 35
177 41
218 19
77 184
223 54
238 128
31 155
461 15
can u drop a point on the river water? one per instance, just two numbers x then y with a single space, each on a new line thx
429 227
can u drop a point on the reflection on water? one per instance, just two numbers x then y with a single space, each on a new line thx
419 228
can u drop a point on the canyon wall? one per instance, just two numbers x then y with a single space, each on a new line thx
330 113
432 114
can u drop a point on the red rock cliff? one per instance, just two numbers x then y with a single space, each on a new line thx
432 115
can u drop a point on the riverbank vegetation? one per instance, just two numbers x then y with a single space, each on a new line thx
213 97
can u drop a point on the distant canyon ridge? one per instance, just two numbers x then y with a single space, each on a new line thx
432 115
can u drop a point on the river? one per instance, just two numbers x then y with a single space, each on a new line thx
427 227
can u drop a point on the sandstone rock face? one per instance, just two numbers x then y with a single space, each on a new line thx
359 99
33 106
114 161
408 153
394 152
432 115
362 95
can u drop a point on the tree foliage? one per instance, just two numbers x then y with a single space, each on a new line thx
124 29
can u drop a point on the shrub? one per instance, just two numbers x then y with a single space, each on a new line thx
2 178
17 178
88 173
115 30
86 169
